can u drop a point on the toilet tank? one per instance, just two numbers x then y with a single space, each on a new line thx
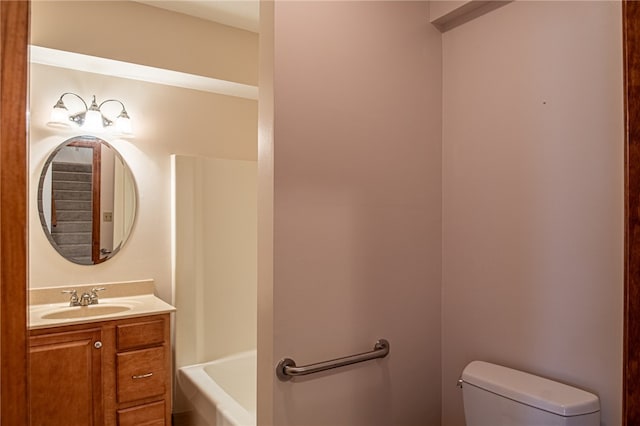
499 396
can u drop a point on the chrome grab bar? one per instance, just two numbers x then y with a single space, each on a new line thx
286 368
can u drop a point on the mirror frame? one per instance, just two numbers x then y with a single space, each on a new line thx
89 142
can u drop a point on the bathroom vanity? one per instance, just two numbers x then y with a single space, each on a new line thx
111 368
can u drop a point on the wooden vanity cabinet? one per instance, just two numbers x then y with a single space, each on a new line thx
114 373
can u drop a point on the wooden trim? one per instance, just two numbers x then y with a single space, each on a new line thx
631 361
14 37
96 194
96 184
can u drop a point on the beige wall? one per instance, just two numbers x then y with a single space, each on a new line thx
355 150
533 197
133 32
166 120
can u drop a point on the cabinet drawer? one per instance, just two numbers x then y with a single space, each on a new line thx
141 374
140 334
142 415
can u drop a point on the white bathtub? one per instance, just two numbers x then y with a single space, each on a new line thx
222 392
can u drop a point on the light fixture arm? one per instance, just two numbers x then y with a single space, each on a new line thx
60 103
113 100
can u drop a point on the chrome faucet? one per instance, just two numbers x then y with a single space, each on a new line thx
87 298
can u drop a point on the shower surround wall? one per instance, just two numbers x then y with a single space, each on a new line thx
214 235
214 258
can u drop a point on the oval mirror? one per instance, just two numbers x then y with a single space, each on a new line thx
86 200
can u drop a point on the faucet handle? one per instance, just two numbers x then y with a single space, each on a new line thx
73 301
94 294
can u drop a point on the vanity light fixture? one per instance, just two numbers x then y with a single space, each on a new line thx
92 118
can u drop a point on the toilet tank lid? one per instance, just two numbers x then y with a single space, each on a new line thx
532 390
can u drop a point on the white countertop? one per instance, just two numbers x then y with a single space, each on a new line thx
128 304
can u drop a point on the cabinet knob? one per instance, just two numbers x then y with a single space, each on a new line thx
97 344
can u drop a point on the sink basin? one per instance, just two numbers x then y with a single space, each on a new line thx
85 311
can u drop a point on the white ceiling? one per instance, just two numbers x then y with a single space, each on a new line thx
235 13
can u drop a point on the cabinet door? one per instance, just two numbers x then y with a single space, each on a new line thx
65 379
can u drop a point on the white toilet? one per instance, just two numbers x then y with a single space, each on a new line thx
498 396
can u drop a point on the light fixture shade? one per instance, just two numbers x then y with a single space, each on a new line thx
123 123
60 115
93 121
